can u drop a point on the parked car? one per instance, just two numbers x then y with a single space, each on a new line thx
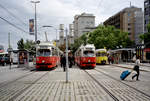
4 59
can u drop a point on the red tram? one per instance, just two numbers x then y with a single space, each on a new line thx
85 56
47 56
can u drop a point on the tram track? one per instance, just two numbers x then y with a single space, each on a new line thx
104 88
6 83
11 90
26 88
108 91
123 83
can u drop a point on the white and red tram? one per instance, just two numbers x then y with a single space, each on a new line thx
47 55
85 56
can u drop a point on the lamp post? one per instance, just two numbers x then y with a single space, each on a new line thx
66 55
35 2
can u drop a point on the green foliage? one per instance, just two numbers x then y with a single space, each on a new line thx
29 45
102 36
146 36
148 28
62 47
108 37
78 42
20 44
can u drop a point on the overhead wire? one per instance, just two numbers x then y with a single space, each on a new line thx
17 18
13 25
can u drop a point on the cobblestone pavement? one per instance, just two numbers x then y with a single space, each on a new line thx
114 72
122 91
51 86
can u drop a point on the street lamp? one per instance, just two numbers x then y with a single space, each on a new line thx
35 2
66 56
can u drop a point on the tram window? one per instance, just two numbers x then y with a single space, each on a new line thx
101 54
54 52
88 53
43 52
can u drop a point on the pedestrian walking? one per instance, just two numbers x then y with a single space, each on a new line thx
109 59
70 58
61 60
112 60
64 62
136 68
10 62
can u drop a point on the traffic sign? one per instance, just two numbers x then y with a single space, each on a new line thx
9 50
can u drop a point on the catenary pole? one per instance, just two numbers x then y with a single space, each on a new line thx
35 2
66 55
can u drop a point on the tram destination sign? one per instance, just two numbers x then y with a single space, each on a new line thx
44 47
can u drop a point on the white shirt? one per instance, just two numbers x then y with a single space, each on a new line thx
137 62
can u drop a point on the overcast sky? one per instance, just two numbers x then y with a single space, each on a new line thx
53 12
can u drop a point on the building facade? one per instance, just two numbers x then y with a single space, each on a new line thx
82 24
71 34
146 14
128 20
61 34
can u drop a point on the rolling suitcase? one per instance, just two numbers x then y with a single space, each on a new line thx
124 74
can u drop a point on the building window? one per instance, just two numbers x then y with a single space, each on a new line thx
146 3
128 19
129 14
145 21
129 29
129 24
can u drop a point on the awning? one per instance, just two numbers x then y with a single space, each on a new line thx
147 50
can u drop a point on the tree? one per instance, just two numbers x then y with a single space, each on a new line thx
20 44
109 37
29 45
62 47
146 36
102 36
79 41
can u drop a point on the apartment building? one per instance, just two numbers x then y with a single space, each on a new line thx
83 23
146 14
128 20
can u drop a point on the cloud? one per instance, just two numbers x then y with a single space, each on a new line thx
54 12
